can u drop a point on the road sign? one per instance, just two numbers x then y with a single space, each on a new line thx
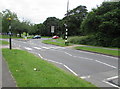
52 29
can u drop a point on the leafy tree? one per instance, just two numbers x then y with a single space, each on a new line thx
5 23
104 24
17 26
51 21
74 19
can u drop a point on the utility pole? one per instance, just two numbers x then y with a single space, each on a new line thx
10 42
66 34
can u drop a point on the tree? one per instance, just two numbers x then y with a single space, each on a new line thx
104 24
74 19
51 21
5 23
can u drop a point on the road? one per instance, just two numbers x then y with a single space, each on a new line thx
96 68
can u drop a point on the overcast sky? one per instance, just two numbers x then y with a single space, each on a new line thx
36 11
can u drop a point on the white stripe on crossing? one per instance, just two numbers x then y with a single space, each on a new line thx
37 48
28 48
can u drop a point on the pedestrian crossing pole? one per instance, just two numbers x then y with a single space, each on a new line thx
10 43
66 34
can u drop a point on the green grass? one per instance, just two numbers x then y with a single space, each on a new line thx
59 42
99 50
7 36
22 64
2 42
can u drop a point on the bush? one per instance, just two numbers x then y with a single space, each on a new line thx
116 42
96 40
79 40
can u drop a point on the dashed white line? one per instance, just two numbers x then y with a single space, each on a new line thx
84 77
54 61
40 56
91 60
106 64
60 64
83 58
71 70
97 54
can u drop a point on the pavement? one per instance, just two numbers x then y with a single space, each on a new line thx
95 68
6 78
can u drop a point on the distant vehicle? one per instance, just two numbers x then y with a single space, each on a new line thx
37 37
55 37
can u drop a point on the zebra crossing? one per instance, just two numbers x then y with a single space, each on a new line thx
44 48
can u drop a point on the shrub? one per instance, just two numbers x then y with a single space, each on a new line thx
78 39
116 42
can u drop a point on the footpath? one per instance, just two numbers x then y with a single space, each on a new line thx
6 79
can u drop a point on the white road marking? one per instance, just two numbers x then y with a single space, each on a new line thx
68 53
71 70
40 56
98 54
60 64
112 78
54 61
91 60
37 48
28 48
45 47
84 77
83 58
110 83
106 64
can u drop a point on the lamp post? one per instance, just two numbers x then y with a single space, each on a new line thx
10 44
66 34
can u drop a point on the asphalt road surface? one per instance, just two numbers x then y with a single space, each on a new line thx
96 68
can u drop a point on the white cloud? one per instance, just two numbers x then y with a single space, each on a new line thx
38 10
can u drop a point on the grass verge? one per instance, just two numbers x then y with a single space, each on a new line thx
99 50
22 64
7 37
59 42
2 42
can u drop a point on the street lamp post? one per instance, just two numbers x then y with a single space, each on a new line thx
10 42
66 34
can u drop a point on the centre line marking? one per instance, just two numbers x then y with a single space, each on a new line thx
91 60
98 54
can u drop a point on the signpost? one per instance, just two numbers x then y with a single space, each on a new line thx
52 29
